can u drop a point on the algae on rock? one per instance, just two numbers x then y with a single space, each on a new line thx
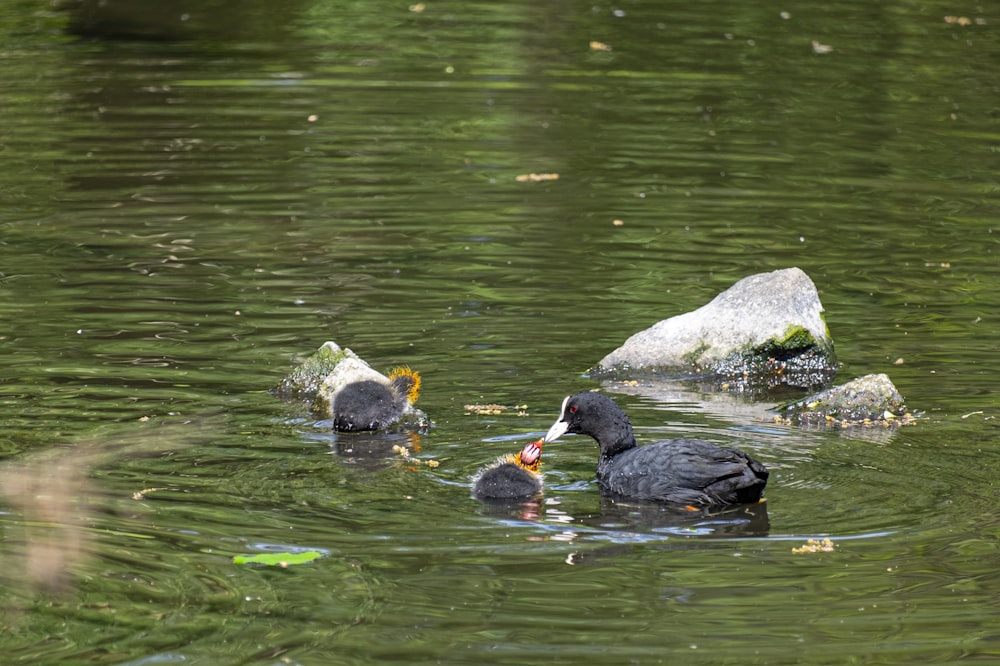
305 379
868 400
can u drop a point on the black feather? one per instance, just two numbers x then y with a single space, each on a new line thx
689 471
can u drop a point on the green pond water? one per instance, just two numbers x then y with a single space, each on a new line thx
195 196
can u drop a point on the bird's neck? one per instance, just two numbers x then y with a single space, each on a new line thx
616 438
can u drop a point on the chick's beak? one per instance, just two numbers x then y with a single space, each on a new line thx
531 454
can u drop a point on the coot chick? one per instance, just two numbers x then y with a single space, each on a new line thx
511 477
688 471
372 405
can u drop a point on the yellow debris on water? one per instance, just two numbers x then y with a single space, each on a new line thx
404 454
493 409
964 20
823 545
536 177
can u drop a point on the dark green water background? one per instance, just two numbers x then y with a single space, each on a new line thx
195 197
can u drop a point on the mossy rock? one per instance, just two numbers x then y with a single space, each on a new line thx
795 359
317 380
305 380
766 330
868 400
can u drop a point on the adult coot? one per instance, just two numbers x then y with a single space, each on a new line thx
688 471
511 477
372 405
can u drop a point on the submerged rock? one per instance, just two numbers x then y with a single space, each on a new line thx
340 385
868 400
767 329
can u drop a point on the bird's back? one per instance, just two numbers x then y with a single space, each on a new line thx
365 405
506 481
690 471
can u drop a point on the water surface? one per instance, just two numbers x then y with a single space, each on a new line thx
194 200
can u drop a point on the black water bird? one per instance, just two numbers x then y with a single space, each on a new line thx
372 405
512 476
687 471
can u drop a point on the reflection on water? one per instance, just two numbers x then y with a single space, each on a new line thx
196 195
54 502
652 518
51 541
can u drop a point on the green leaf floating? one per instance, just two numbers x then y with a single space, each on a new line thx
278 559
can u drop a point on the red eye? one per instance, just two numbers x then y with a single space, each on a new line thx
572 409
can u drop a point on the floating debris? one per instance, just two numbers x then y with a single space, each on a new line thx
493 409
282 560
823 545
404 453
964 20
141 494
821 49
536 177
